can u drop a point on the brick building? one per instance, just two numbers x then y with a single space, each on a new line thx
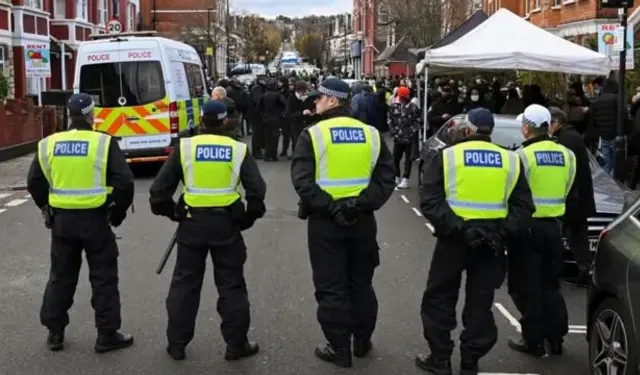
192 21
576 20
58 26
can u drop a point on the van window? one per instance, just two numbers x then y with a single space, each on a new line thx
194 79
139 82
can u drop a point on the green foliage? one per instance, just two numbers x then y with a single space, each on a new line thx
4 87
550 83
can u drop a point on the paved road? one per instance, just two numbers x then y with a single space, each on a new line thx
279 279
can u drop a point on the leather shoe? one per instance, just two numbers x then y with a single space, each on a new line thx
338 356
434 365
361 347
113 341
524 347
177 353
245 350
55 341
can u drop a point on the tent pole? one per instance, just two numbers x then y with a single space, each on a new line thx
425 123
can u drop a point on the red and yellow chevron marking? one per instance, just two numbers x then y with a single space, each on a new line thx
115 121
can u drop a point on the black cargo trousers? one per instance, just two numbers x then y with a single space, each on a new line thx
343 262
485 273
535 267
71 233
211 232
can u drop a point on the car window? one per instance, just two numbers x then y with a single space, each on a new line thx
507 135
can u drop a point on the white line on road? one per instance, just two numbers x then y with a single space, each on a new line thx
580 331
28 196
15 202
504 373
416 211
4 195
2 210
431 228
404 198
512 320
578 327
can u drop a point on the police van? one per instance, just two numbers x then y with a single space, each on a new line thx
146 90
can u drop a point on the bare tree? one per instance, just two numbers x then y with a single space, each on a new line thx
454 13
205 29
421 20
261 40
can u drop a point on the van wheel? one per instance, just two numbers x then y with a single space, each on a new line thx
612 343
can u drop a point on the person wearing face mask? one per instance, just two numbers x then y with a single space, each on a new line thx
338 199
441 110
475 100
404 122
296 107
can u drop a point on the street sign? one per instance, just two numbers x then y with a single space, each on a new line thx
114 27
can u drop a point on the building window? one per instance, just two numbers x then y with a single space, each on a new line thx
59 9
82 10
131 18
102 12
537 2
34 4
35 85
556 3
2 59
526 7
383 15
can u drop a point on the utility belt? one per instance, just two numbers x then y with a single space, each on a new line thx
183 211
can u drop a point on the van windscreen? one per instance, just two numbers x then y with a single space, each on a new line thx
137 82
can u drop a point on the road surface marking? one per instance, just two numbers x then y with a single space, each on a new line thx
416 211
584 328
4 195
512 320
15 202
404 198
431 228
2 210
28 196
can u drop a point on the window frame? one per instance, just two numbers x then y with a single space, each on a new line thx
103 12
36 4
527 10
58 11
131 17
82 10
2 58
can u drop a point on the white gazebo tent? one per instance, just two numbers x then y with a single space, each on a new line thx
507 41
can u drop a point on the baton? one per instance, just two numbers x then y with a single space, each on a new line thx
167 252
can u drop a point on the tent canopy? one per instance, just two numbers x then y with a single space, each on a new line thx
469 24
506 41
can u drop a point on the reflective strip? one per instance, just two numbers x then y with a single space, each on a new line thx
525 161
238 158
98 184
452 188
548 201
323 170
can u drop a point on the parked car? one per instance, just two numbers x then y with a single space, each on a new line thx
610 196
613 297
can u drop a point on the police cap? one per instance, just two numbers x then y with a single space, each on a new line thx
80 104
481 118
334 87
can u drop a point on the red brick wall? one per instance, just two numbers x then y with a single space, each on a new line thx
21 122
170 23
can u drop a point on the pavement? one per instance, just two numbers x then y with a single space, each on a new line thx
280 289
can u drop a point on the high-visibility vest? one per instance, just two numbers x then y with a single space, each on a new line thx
346 152
211 169
550 169
75 164
479 178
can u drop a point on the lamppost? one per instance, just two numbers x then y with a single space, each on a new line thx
227 35
620 143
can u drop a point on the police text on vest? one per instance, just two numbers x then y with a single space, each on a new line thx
482 158
71 148
347 135
549 158
214 153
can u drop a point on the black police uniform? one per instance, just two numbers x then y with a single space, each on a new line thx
535 267
75 230
343 258
214 230
255 118
453 255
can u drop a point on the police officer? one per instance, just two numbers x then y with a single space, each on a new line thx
536 266
272 106
339 200
68 181
255 118
211 216
474 195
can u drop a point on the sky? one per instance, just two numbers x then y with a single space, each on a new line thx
292 8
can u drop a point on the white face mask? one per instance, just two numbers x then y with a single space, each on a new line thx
474 98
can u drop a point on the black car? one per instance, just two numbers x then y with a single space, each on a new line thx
613 297
610 196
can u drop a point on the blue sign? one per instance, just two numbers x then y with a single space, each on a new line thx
356 49
482 158
549 158
214 153
71 148
347 135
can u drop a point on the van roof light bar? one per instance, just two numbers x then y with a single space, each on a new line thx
121 35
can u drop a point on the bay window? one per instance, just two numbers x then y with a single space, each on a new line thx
82 10
102 12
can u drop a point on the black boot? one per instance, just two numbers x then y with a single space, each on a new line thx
176 352
55 341
361 347
555 347
107 342
469 368
434 365
338 356
524 347
247 349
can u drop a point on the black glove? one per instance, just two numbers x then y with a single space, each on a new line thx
256 208
497 242
475 237
303 213
116 217
247 222
179 213
338 212
352 209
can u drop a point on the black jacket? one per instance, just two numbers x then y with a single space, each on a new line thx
170 175
272 105
604 111
434 206
316 200
295 107
585 205
439 108
119 176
